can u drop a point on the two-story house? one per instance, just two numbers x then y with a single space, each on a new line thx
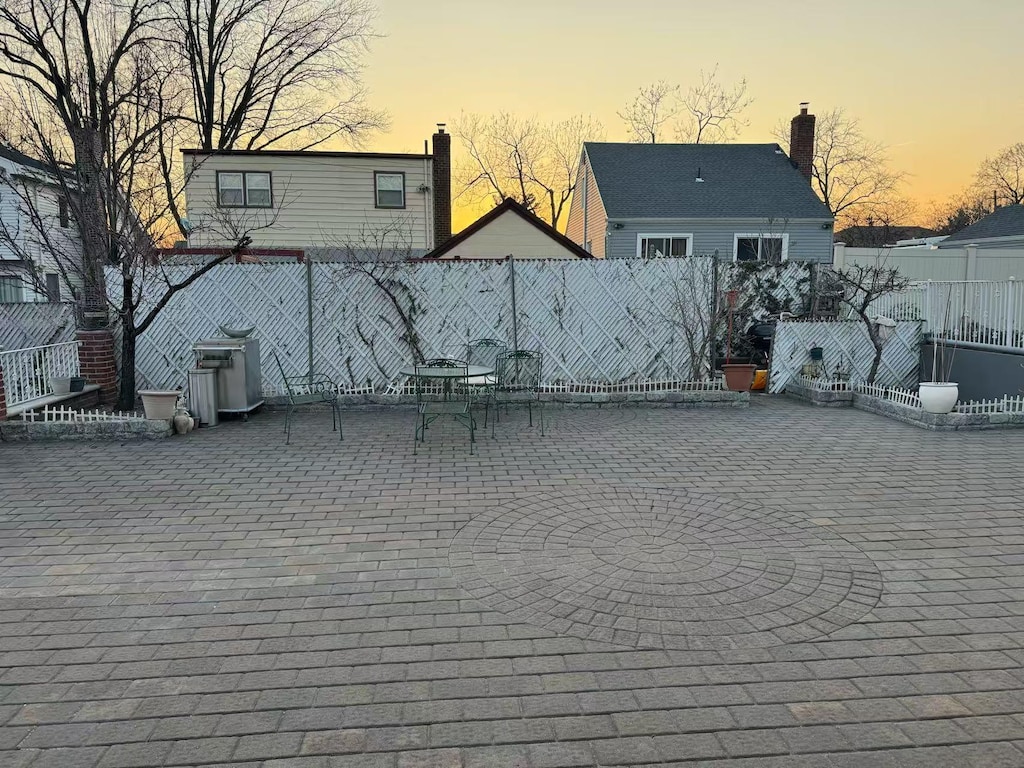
355 201
40 250
745 202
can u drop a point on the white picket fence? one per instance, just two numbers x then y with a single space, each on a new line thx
613 321
898 395
976 311
1006 404
63 415
846 348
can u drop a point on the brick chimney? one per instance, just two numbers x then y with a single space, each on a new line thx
442 178
801 141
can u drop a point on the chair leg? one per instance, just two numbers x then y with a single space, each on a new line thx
529 407
540 407
337 415
288 426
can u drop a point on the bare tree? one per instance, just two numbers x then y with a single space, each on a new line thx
275 72
102 106
1003 175
959 212
708 112
851 172
712 113
651 109
532 162
861 286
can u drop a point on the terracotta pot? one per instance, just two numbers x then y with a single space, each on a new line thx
739 376
938 397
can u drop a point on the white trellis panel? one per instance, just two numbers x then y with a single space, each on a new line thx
595 320
845 343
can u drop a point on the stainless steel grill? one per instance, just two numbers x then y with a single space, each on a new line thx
239 378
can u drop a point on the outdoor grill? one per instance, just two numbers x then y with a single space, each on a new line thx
239 381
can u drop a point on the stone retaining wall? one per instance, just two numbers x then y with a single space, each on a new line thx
826 399
96 430
940 422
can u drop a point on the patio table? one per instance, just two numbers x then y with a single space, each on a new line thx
448 375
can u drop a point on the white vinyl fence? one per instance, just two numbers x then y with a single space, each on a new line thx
846 348
977 311
29 373
26 324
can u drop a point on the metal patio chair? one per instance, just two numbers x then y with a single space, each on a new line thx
519 374
309 390
485 352
453 399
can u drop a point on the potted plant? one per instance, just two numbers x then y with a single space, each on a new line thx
159 404
940 394
77 383
739 377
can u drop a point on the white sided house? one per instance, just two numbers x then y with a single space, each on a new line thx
509 229
40 250
341 201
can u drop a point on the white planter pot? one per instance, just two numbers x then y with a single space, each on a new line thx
938 397
159 405
60 385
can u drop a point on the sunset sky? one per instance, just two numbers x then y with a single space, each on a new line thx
937 80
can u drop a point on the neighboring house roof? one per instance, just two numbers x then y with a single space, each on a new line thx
881 234
312 153
1003 222
657 181
10 153
508 206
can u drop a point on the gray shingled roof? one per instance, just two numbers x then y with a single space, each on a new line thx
1004 222
740 180
20 157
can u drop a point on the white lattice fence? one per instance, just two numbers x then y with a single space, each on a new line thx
25 325
605 321
845 344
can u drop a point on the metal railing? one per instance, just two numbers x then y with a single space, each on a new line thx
974 311
29 373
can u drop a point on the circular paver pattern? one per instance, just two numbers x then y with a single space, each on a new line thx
663 568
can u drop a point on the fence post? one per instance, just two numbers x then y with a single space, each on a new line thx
928 307
3 396
1011 289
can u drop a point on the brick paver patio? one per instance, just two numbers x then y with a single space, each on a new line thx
778 586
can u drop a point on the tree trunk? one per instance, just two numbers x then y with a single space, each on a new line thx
91 218
126 380
877 344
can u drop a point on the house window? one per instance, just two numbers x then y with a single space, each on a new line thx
389 189
753 247
248 189
63 214
10 289
656 246
52 286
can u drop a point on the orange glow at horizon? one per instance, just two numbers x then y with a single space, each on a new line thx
935 81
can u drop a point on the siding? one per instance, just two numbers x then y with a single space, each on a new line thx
807 240
509 233
319 200
597 220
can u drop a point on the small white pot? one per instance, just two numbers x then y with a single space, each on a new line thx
159 405
60 385
938 396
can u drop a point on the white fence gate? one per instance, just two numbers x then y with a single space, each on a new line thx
845 344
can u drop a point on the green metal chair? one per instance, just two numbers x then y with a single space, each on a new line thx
452 400
519 374
485 352
309 390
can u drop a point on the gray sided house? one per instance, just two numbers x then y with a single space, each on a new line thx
746 202
1003 228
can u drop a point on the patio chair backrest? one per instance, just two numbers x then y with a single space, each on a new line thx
485 352
520 370
286 380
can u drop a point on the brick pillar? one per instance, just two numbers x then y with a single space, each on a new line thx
96 359
3 396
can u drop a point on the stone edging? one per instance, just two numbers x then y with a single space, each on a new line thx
22 431
939 422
